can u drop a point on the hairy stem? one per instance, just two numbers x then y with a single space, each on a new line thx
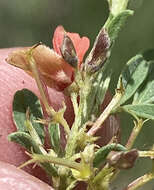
35 136
123 4
140 181
114 102
58 116
75 103
72 140
38 158
35 72
135 132
149 153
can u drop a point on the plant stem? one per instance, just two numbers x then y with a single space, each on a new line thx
71 143
123 4
114 102
35 72
35 136
149 153
107 23
135 132
38 158
78 110
117 6
64 123
51 112
140 181
75 103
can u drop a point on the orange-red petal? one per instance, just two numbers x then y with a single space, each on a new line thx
56 73
81 44
58 39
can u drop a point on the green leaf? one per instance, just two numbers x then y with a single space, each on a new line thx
23 100
133 75
145 94
102 153
54 132
116 24
25 140
141 110
96 92
103 81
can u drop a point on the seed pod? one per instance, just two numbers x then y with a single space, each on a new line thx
99 53
122 160
68 51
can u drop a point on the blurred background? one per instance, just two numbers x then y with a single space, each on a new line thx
24 23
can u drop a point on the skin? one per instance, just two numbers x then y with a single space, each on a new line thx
13 178
11 80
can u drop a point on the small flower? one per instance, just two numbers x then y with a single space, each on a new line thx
55 71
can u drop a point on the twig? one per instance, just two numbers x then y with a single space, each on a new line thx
140 181
114 102
135 132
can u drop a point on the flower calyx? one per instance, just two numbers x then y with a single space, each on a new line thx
99 53
68 51
122 159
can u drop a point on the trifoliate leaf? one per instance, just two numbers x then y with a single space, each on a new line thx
25 140
23 100
141 110
133 75
145 94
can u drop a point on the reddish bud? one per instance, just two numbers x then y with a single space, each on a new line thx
99 53
123 160
81 44
68 51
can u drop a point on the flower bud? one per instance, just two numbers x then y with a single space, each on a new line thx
122 160
68 51
99 52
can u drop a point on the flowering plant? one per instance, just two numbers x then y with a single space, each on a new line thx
81 151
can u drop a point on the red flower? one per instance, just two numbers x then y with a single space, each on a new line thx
55 71
81 44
